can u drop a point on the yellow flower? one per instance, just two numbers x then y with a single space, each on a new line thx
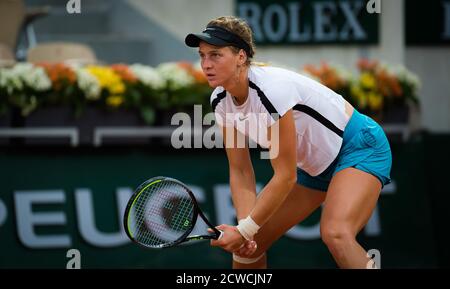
375 101
117 88
114 100
368 80
108 79
358 94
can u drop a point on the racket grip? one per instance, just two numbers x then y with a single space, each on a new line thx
221 235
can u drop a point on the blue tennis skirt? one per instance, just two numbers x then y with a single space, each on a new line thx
365 147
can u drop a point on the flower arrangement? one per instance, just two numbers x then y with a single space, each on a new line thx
383 86
24 86
377 87
185 82
332 76
27 87
177 86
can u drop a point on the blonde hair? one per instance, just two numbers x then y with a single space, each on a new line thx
239 27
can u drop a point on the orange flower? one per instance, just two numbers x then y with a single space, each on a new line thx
311 69
388 84
327 75
198 74
365 64
124 72
59 74
186 65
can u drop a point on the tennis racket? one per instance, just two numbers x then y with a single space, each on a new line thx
162 213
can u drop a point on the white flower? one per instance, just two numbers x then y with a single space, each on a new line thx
88 84
407 76
9 81
198 65
343 73
148 76
24 74
175 76
37 79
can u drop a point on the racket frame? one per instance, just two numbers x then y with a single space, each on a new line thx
183 238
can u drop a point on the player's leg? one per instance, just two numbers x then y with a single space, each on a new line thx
299 204
351 198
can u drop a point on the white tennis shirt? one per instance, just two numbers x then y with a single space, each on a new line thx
319 113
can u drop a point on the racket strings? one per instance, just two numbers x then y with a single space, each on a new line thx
162 214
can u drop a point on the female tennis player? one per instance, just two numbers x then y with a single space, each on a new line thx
326 152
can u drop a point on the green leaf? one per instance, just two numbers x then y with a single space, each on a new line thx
148 114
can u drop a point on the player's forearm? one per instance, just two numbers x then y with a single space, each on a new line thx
271 197
243 191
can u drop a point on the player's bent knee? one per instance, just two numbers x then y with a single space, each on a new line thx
243 260
335 234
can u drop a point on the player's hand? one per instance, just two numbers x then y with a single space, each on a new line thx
231 239
247 250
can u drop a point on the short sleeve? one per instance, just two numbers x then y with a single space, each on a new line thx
277 98
283 96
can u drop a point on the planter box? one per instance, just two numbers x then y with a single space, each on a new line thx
92 117
397 115
391 115
5 122
395 122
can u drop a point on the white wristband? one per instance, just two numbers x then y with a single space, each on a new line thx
248 228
